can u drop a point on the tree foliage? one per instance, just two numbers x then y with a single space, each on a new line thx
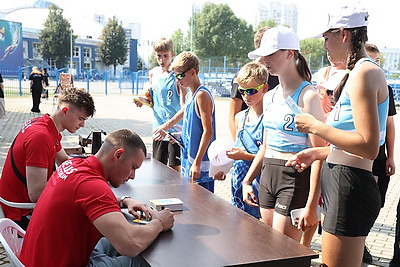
269 23
56 37
113 49
218 32
180 42
313 51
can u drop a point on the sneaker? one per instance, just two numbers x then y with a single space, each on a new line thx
367 257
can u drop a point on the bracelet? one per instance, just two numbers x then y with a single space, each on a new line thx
162 225
121 201
247 182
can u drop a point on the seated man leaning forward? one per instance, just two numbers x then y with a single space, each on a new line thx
78 207
37 147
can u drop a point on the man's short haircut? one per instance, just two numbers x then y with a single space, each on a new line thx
258 36
371 48
79 98
164 44
186 61
252 71
126 139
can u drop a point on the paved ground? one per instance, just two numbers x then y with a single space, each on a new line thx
117 111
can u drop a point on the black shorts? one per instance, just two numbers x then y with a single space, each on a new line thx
351 200
283 188
166 152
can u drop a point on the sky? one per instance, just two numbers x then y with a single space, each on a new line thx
162 18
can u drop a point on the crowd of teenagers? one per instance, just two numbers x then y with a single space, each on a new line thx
296 146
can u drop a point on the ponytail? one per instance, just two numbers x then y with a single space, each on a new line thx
302 66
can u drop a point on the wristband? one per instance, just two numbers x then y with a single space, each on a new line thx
247 182
121 201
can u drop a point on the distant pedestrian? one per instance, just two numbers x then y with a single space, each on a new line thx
36 86
45 91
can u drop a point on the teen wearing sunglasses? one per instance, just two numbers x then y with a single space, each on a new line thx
282 188
251 79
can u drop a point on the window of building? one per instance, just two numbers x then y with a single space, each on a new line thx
37 53
86 53
77 51
25 46
87 66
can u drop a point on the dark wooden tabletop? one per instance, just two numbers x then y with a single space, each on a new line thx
212 232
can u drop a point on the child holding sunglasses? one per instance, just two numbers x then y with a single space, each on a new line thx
198 130
283 189
252 84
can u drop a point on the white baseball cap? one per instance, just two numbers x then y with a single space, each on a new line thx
274 39
345 16
219 161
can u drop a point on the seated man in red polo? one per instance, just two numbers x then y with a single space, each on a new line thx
37 147
78 207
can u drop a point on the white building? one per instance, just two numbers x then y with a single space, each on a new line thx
283 14
391 59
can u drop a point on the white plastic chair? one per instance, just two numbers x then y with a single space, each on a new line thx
9 233
15 205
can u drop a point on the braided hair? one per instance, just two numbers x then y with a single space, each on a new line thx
359 37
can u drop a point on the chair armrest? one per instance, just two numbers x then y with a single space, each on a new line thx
18 205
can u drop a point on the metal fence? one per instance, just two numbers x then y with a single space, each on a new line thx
218 80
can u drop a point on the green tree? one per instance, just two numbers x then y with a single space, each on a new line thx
56 37
113 49
180 42
269 23
313 51
218 32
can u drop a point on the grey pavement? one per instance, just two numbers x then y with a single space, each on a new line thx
117 111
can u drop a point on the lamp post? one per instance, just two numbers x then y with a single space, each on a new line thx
70 63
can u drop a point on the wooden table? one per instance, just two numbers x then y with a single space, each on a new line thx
212 232
152 172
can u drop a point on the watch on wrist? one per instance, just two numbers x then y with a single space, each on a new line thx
121 201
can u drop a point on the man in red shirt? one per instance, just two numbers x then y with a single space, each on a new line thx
35 150
78 207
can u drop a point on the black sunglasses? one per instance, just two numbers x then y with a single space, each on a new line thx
180 76
329 92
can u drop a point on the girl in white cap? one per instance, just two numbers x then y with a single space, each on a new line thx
355 128
282 188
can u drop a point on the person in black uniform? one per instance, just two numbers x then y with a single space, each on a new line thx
36 88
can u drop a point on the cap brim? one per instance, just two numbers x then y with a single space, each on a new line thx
224 168
261 52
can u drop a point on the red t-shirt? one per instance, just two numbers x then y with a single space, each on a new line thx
61 230
36 145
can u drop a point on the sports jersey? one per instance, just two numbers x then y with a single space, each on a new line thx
61 231
249 138
282 134
36 145
166 100
192 130
341 116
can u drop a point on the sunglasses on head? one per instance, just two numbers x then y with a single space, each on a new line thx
180 76
250 91
329 92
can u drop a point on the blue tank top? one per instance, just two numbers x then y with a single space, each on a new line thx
166 100
192 130
250 136
279 125
341 116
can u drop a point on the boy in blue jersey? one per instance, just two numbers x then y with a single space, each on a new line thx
166 98
198 129
252 85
